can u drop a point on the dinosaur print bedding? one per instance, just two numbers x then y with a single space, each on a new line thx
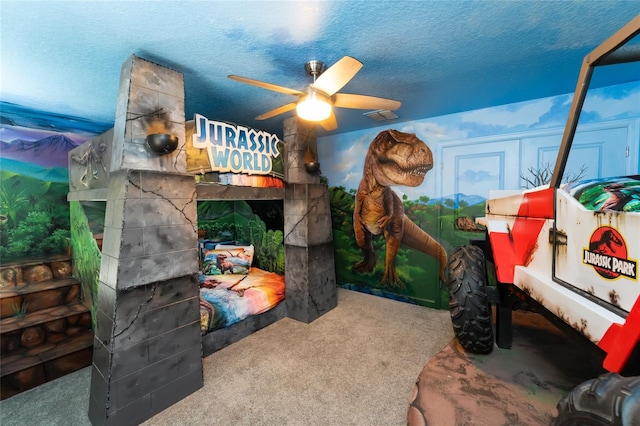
227 259
226 299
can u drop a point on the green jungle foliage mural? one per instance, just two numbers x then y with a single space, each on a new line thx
238 221
418 270
621 194
34 180
87 256
34 216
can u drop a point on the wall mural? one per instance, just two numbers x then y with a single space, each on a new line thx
87 252
34 213
35 216
374 222
34 182
505 147
393 158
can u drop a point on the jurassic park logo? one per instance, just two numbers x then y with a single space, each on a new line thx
607 254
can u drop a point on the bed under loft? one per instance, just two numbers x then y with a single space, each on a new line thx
232 305
136 177
241 290
241 286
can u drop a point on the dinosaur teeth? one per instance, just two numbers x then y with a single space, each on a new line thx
419 171
415 171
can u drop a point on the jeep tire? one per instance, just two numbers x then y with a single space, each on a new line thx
468 301
608 400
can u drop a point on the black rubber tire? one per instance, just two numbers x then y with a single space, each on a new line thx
468 301
608 400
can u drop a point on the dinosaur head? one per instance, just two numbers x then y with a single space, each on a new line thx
398 158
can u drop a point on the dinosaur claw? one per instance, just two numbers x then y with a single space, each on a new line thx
392 280
382 222
366 266
363 267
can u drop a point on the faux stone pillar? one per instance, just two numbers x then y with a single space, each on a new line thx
147 346
309 258
150 100
299 136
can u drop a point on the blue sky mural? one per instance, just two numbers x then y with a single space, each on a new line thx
341 156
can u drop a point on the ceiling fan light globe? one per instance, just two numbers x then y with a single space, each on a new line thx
314 107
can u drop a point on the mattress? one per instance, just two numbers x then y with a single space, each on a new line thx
229 298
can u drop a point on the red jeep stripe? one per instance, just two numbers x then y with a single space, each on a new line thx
620 340
518 246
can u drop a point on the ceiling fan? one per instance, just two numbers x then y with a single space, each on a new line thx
316 101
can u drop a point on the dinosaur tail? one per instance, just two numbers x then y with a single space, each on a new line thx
416 238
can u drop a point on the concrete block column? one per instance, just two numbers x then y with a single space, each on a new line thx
309 257
147 345
150 100
299 136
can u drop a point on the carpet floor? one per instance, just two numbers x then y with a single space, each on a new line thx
369 361
355 365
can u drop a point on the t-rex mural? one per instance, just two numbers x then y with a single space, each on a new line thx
394 158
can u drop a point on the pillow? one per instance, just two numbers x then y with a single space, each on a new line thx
244 252
228 260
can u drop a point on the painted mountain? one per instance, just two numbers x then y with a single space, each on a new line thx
48 152
47 174
469 200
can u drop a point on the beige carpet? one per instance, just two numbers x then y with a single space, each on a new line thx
356 365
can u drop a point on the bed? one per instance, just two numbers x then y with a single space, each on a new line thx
236 298
226 299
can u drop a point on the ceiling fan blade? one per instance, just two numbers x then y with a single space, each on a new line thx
337 75
330 123
264 85
348 100
277 111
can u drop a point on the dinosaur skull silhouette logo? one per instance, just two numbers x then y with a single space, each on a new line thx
607 253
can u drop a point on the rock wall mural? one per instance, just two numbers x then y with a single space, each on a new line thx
506 147
46 295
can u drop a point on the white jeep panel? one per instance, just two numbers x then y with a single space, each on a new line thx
601 252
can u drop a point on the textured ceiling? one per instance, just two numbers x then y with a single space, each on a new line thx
437 57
